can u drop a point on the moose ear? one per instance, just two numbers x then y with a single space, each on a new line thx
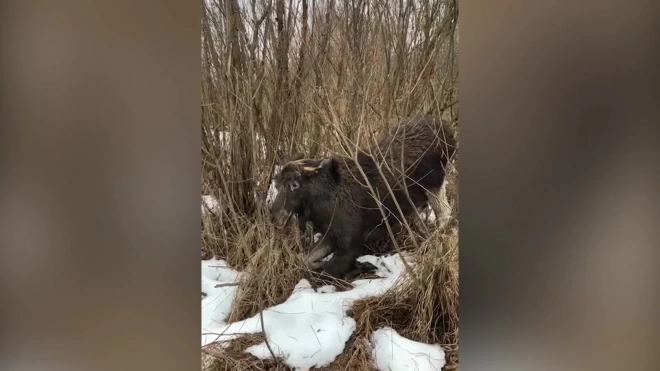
331 165
327 165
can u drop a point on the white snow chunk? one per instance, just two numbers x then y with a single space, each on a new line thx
216 306
272 191
393 352
211 203
428 215
310 328
219 139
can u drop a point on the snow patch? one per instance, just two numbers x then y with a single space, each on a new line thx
393 352
216 305
219 138
210 203
428 214
272 191
311 328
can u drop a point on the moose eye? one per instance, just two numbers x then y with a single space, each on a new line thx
294 186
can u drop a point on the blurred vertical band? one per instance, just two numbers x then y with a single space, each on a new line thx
559 185
100 185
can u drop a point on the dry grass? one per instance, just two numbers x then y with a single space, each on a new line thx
327 84
233 357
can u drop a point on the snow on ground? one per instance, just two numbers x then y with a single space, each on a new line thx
311 327
393 352
216 305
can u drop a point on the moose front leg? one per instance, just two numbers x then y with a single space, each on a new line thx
314 258
360 268
343 263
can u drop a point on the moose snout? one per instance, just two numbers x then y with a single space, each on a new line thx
279 217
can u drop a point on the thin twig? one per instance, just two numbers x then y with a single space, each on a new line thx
263 329
226 285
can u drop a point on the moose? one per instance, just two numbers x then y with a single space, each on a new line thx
349 199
